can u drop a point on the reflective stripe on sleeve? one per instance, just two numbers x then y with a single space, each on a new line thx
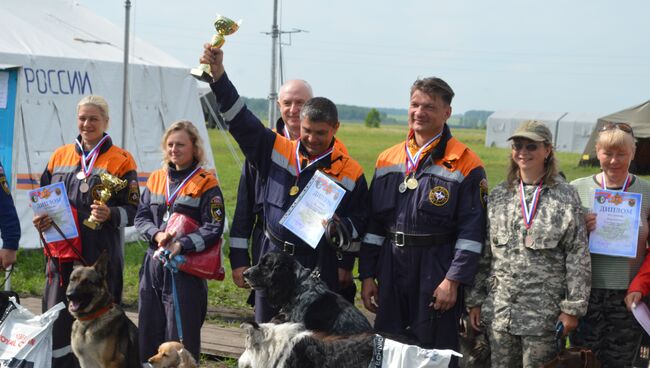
469 245
123 217
234 110
239 243
199 243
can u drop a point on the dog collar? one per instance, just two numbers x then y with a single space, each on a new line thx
98 313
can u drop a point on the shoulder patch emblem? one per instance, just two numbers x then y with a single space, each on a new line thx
134 192
483 186
216 208
5 185
439 196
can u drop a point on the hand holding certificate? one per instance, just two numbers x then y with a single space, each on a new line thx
52 200
315 205
617 223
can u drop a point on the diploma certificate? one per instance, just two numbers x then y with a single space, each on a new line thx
617 223
316 203
52 200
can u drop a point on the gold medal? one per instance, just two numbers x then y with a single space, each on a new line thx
412 183
402 187
294 190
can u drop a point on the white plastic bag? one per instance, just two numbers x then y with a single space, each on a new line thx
392 354
26 339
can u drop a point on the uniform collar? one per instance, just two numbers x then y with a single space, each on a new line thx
438 151
107 144
180 174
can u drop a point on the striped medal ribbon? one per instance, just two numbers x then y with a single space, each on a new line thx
294 188
528 212
170 198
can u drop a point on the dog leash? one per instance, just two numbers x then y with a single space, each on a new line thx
173 265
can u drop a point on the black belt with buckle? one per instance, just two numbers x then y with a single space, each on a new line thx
288 247
427 240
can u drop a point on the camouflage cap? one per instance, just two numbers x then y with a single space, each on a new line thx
533 130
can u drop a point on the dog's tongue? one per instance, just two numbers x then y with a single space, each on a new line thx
74 306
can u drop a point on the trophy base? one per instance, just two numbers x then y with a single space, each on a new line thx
92 224
201 75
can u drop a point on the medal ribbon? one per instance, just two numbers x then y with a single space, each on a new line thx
88 161
529 212
299 169
169 199
626 184
412 162
285 130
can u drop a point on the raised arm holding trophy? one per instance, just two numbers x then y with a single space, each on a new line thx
224 27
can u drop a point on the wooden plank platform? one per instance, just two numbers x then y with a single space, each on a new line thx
215 340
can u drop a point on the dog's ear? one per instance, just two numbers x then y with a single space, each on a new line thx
246 325
101 266
187 360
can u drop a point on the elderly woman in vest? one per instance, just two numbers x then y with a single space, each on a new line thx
609 329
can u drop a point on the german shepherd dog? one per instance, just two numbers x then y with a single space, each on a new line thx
102 335
303 297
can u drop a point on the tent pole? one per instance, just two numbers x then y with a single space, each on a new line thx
557 129
274 46
125 84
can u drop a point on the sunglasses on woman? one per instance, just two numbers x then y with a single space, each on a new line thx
530 147
622 126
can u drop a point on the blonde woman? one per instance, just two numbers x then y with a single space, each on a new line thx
181 186
609 329
78 165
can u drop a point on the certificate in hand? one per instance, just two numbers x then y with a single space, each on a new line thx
316 203
53 200
617 223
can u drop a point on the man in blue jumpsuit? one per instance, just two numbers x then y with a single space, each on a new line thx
9 224
426 225
248 220
287 166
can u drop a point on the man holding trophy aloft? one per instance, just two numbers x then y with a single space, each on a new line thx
102 187
287 168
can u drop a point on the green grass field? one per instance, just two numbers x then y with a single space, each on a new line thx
364 144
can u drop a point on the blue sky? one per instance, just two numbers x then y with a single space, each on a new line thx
561 56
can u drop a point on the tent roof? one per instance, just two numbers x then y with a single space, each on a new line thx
637 116
61 28
526 115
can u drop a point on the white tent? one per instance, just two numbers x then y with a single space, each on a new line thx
574 131
53 52
571 131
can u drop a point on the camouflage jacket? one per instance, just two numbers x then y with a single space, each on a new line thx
522 286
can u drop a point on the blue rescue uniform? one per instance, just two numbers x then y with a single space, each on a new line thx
9 223
274 158
417 238
63 166
201 200
248 221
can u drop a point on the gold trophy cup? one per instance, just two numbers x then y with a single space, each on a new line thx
224 27
110 185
